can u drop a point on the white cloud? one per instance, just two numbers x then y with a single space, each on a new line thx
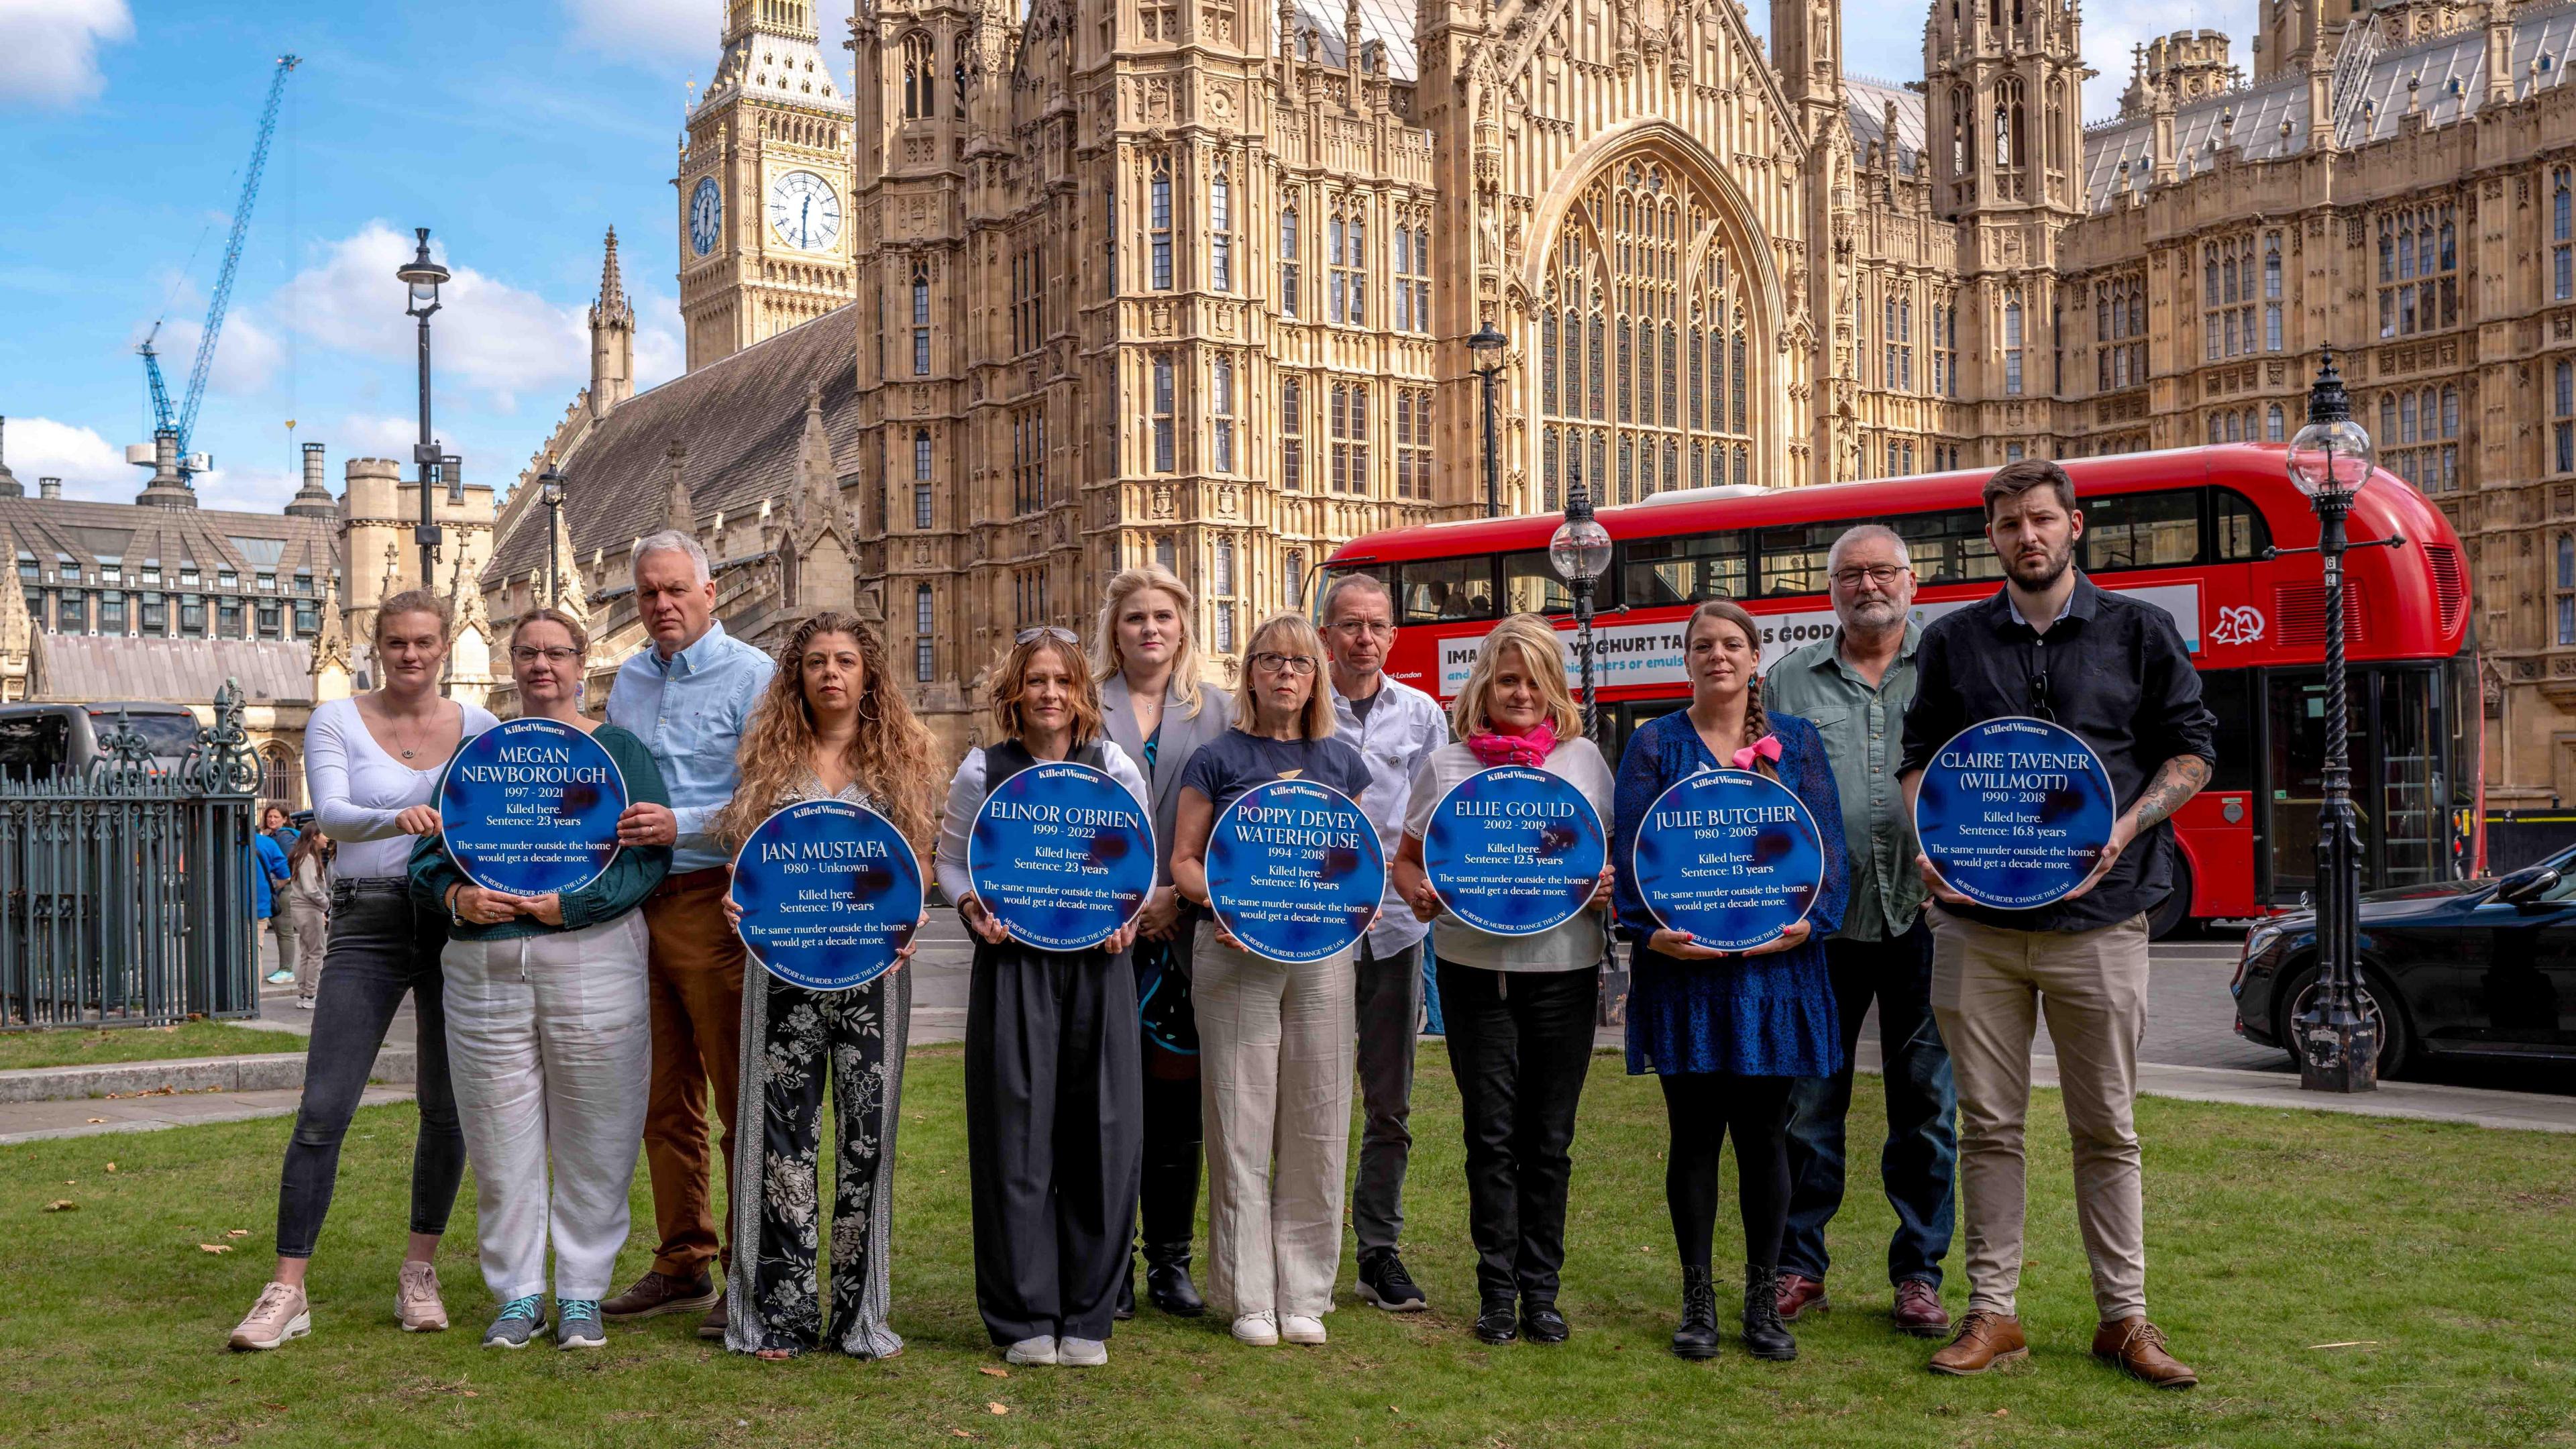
487 334
89 465
658 29
659 353
372 435
247 356
49 48
246 490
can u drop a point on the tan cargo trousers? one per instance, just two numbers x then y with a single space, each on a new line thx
1989 985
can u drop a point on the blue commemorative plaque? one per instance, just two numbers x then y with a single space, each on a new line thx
530 806
1729 856
2015 812
829 892
1514 850
1062 855
1295 871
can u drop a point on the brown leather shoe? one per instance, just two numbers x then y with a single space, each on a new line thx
715 1323
1918 1309
2137 1348
655 1294
1983 1340
1797 1294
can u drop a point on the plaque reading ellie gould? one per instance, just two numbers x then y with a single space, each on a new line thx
1061 855
530 807
1295 871
1729 856
1514 850
2015 812
829 891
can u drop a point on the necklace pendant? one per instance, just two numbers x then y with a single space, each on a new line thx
406 754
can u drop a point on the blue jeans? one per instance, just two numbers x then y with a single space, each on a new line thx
1921 1155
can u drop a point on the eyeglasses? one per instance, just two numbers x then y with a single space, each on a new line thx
1299 665
1049 631
556 654
1354 628
1879 574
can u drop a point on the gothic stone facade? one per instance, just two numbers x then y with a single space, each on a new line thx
1126 280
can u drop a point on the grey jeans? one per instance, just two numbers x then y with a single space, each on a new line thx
1388 991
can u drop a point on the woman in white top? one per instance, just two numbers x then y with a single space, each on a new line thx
373 764
1518 1009
1054 1095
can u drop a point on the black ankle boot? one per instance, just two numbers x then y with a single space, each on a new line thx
1763 1335
1167 1280
1697 1336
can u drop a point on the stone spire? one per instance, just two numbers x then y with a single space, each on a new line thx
572 592
679 513
818 482
612 338
9 484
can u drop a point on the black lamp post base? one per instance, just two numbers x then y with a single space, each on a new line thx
2338 1051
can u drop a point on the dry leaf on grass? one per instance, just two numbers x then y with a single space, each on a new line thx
62 1205
236 1232
992 1408
94 1121
963 1433
111 1167
999 1373
214 1247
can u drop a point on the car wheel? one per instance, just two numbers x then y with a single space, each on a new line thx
2175 911
2378 1003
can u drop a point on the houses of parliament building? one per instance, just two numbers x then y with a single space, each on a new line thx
1070 285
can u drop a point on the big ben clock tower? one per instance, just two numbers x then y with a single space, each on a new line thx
764 185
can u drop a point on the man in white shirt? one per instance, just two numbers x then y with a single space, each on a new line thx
1395 727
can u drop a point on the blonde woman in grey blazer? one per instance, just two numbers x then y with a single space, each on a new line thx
1155 709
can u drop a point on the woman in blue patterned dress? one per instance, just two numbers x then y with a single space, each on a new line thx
1728 1032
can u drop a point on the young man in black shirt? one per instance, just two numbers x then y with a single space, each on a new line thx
2115 671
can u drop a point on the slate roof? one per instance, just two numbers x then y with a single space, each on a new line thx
51 529
1389 22
82 668
1866 99
741 419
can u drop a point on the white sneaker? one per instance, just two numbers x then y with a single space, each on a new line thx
1038 1350
1298 1328
1257 1329
416 1305
304 1003
1081 1352
280 1314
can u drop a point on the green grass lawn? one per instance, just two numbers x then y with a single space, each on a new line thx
2446 1248
70 1047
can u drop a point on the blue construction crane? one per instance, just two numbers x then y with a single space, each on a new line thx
184 424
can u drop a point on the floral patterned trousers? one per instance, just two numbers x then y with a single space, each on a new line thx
793 1041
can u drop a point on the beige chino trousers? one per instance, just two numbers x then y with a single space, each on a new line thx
1989 985
1276 1052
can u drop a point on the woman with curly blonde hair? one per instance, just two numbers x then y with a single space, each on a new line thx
831 725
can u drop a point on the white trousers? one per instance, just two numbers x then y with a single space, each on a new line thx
1275 1059
551 1048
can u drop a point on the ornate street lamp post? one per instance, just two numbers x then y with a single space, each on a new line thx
1579 552
422 277
2338 1046
550 493
1487 344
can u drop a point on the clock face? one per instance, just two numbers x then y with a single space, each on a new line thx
706 211
804 210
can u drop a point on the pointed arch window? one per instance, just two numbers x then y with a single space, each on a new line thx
1292 435
1221 410
1288 261
1220 232
921 477
1165 444
920 76
1158 225
925 626
2012 342
2562 232
920 321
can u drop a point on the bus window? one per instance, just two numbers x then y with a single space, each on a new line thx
1448 588
2142 530
1793 559
2241 534
2229 693
1683 570
1949 547
1383 573
1530 585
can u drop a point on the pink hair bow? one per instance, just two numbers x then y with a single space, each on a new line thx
1767 747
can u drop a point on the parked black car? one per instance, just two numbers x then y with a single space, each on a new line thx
44 741
2476 968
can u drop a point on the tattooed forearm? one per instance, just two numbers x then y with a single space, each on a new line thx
2176 781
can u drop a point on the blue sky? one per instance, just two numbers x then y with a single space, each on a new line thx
519 132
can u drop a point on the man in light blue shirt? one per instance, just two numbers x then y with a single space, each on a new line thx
687 698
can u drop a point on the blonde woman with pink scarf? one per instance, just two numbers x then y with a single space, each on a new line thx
1518 1009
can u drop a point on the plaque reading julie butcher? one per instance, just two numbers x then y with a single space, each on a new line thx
2015 812
1514 850
1295 871
1729 856
830 893
530 806
1061 855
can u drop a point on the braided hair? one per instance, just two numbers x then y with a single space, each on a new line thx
1756 722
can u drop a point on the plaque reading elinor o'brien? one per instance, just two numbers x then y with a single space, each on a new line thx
529 807
1730 857
1514 850
1295 871
829 891
2015 812
1061 855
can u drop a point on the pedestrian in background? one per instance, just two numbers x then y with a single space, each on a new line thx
308 897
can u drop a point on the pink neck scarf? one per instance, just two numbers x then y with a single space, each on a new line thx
1493 749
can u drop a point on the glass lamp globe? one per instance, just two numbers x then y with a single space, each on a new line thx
2330 458
1579 550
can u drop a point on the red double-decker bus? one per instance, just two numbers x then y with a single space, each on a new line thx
2192 530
